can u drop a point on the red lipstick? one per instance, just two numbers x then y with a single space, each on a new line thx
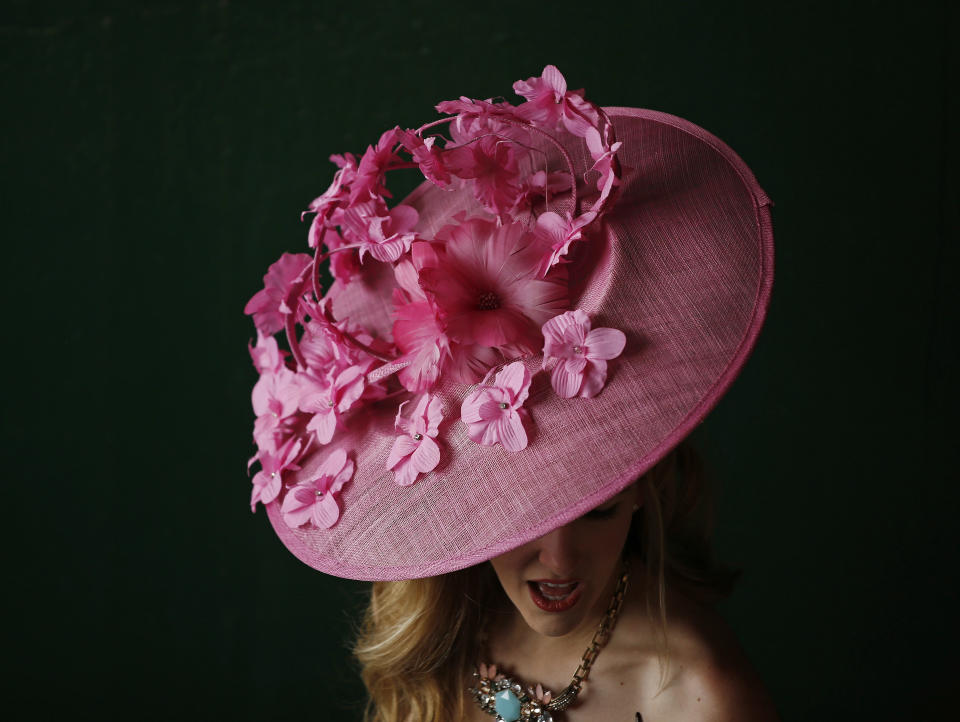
554 595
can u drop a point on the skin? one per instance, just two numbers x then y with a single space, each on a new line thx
708 678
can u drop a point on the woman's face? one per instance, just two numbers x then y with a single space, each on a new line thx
563 581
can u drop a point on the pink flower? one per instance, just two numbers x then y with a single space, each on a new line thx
415 452
428 157
276 393
543 186
324 345
322 350
603 164
549 103
328 398
268 306
480 117
323 205
581 354
345 160
266 354
275 398
373 165
495 414
491 163
556 234
272 432
385 237
267 482
344 264
466 108
469 362
545 97
417 329
486 286
315 500
335 196
420 336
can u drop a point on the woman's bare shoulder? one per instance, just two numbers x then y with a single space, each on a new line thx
707 677
715 688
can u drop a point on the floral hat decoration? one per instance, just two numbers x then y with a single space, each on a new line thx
566 295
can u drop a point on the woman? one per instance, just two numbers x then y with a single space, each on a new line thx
671 657
500 358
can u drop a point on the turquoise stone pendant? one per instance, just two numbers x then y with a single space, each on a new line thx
504 699
507 705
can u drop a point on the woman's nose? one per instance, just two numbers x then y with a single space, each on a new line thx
558 552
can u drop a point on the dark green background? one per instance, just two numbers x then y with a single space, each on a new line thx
156 156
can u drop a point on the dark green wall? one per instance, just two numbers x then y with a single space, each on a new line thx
156 156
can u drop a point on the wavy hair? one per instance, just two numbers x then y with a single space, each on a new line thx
415 644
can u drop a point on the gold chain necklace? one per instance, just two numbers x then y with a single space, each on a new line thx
507 700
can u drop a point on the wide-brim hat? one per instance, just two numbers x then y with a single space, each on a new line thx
682 264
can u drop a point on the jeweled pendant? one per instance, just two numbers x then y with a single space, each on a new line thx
506 700
507 705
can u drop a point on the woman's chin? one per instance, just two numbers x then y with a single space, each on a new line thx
552 627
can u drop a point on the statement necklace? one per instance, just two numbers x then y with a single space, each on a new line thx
506 699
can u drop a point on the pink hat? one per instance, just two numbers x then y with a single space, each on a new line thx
562 301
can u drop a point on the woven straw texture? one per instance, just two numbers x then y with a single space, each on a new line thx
683 265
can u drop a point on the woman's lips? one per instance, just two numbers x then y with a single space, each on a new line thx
552 595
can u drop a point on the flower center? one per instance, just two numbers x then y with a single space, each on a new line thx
488 301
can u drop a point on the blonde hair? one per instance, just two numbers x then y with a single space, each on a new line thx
414 647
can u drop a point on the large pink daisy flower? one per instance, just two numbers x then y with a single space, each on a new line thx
486 286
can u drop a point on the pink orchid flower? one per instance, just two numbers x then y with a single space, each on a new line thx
328 398
267 481
415 451
315 500
495 414
268 305
580 354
